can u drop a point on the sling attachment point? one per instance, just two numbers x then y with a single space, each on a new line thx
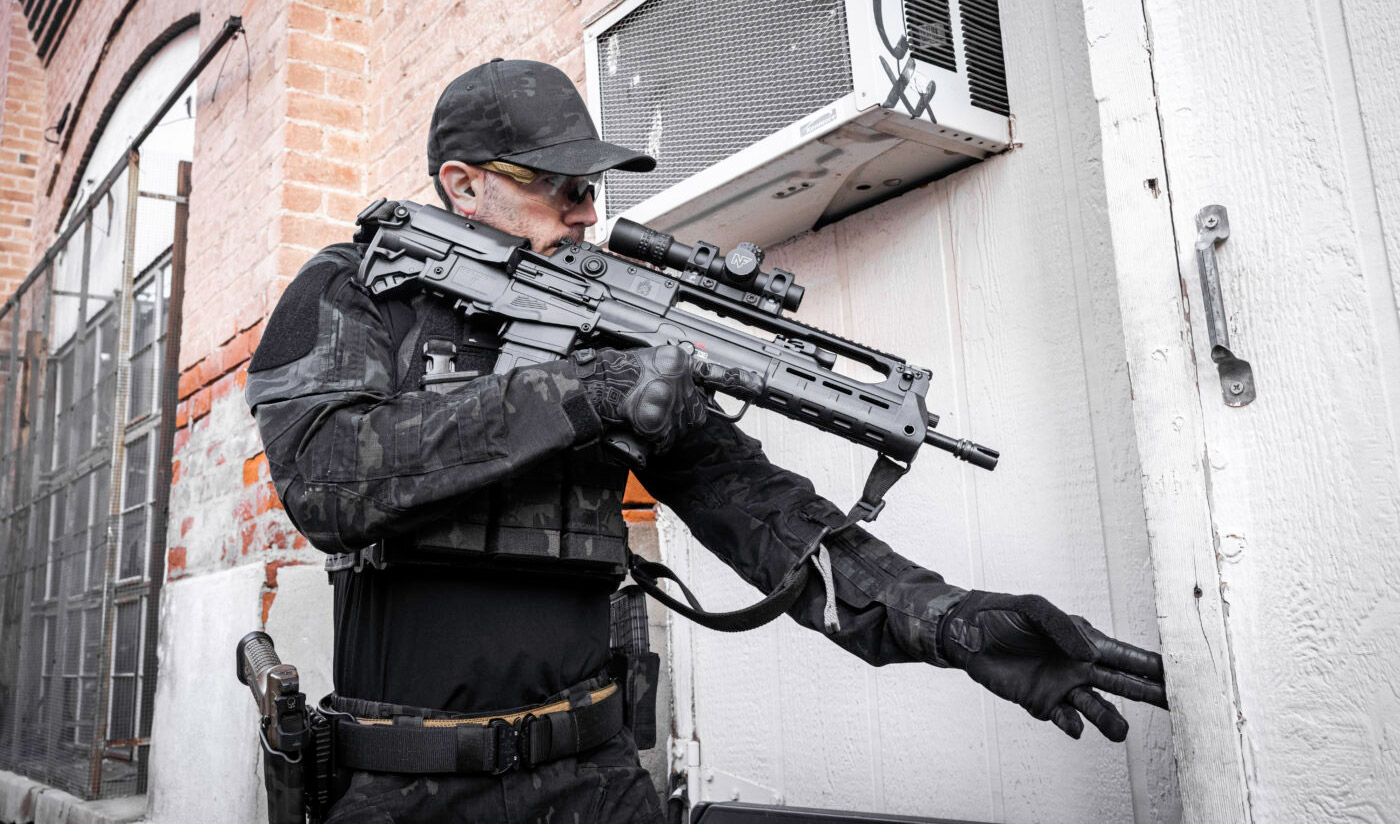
648 574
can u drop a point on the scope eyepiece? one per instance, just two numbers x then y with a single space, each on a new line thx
637 241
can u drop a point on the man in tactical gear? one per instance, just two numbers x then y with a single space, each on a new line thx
474 525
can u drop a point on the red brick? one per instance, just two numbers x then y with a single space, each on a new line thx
267 599
189 381
175 563
302 46
222 388
175 470
304 137
185 526
349 30
351 88
347 148
209 371
201 404
312 233
271 568
355 7
633 516
307 169
254 468
635 495
303 199
241 348
267 498
319 109
305 18
250 313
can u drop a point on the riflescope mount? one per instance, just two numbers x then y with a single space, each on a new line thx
735 276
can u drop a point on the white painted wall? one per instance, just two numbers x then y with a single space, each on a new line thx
1283 112
1000 279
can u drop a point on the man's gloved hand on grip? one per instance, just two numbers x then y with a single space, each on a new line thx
650 392
1028 651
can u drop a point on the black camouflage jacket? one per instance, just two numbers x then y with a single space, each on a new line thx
355 460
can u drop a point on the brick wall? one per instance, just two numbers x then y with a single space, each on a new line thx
417 48
279 173
321 106
22 98
341 96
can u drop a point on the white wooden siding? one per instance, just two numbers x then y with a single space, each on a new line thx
1000 279
1285 113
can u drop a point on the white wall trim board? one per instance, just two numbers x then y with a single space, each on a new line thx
1167 416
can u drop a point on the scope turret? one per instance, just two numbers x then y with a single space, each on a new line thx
735 276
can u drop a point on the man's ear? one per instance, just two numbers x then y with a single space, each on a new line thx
462 183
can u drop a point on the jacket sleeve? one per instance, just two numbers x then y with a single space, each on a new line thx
352 459
758 517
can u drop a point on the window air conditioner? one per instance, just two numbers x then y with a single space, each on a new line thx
771 117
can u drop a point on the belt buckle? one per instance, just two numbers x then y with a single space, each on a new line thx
513 739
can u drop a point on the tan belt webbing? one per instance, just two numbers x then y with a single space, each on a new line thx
558 706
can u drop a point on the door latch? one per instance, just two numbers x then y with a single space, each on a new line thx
1236 377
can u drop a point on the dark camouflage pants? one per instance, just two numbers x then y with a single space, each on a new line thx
606 785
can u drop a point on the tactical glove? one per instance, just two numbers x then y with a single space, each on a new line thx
1026 650
649 392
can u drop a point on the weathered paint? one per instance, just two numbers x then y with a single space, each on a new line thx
1166 413
1000 279
1304 483
204 752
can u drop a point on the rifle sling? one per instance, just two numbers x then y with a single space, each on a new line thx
647 574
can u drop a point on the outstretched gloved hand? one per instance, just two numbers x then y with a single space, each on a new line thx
650 392
1025 649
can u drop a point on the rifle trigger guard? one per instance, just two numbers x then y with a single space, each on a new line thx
713 408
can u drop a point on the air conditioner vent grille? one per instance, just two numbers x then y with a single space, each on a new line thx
929 27
692 82
986 65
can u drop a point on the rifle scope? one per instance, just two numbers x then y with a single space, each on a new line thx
738 270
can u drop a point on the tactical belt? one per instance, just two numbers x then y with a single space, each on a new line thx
478 744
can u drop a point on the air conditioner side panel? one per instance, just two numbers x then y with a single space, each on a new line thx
887 74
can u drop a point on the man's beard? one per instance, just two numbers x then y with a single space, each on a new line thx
571 239
499 213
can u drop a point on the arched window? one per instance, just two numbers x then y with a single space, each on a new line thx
82 437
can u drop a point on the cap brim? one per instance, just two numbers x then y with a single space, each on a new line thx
583 157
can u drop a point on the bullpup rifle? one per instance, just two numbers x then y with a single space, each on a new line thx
581 295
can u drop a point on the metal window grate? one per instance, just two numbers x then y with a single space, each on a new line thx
929 27
986 65
692 82
84 413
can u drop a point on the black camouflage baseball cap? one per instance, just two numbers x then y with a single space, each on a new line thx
524 112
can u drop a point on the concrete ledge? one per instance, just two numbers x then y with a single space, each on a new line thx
25 801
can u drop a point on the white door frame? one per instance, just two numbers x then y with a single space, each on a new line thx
1167 417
